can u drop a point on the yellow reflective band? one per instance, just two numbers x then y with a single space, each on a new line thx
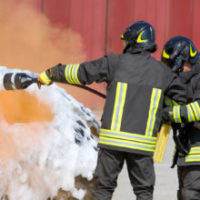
127 136
133 139
195 148
73 75
120 97
121 108
170 102
192 158
191 116
174 102
122 36
154 103
176 114
198 107
76 74
165 54
194 155
126 144
139 39
196 110
115 105
192 54
68 73
44 78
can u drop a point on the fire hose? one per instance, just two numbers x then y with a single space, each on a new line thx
35 80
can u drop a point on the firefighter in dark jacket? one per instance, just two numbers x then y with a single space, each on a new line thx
180 54
12 79
136 85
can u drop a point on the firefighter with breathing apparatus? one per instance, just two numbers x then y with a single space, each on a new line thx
180 54
136 85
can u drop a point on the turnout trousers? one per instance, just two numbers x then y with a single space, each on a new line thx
189 182
140 170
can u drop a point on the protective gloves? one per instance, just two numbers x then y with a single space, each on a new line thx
44 78
167 114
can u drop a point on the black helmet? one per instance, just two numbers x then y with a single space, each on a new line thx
140 36
178 50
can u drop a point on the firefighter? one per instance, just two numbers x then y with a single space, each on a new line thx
11 79
136 85
180 54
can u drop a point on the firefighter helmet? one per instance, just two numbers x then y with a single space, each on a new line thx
178 50
140 36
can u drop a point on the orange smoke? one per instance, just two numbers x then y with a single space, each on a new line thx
22 107
29 41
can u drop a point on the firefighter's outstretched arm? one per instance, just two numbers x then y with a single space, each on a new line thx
77 74
185 113
60 73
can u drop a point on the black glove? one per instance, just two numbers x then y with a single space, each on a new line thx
23 80
167 114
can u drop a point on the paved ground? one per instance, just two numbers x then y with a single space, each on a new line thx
166 179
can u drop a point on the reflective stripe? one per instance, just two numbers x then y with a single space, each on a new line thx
195 107
128 136
191 116
155 99
193 158
119 106
194 150
165 54
194 155
71 73
127 140
139 38
176 114
170 102
76 74
129 145
67 73
192 54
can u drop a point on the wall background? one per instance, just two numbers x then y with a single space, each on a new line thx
78 30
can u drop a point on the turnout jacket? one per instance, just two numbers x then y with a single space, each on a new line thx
190 113
136 85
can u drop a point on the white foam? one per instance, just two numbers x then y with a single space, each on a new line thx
53 159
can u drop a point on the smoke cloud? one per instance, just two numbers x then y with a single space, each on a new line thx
29 41
42 148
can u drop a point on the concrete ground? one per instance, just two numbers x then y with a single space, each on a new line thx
166 178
